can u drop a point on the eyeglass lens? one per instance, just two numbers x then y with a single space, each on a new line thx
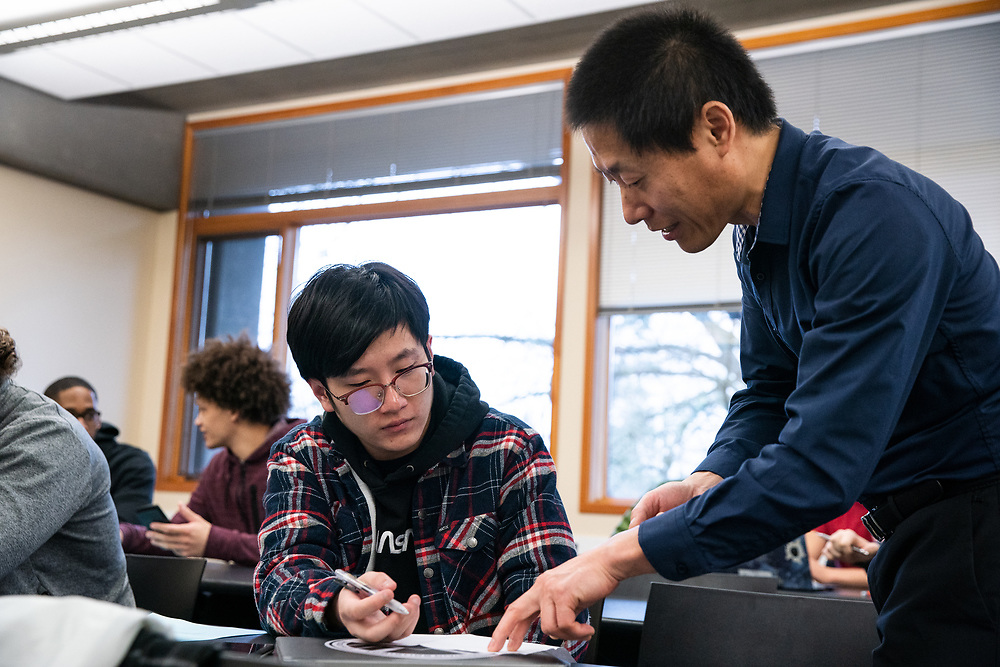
409 383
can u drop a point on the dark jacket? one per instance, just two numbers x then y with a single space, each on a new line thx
229 495
133 474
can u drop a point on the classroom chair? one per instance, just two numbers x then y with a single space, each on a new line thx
164 584
689 625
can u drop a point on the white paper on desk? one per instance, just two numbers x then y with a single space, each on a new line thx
464 646
186 631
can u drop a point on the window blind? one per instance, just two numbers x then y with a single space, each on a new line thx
925 96
501 135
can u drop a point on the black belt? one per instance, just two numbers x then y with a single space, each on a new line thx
883 518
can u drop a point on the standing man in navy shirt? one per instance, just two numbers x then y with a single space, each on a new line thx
870 346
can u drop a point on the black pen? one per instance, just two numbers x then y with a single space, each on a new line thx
352 583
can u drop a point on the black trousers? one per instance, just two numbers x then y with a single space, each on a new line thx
936 584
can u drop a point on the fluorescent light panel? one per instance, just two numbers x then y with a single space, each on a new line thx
111 19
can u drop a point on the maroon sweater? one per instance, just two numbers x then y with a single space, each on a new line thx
230 496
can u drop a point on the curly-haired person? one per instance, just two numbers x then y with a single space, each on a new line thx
242 397
58 526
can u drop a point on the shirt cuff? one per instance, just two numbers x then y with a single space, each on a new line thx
669 546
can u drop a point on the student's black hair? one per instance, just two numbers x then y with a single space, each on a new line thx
344 308
68 382
648 75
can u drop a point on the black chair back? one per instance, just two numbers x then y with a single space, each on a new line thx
693 625
164 584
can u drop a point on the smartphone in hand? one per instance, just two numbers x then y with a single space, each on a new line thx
150 513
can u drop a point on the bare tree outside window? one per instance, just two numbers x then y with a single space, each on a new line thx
670 378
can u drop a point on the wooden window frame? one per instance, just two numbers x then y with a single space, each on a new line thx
192 228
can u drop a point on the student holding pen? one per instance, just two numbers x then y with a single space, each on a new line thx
840 550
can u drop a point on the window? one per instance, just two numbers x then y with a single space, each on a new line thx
490 281
911 93
462 192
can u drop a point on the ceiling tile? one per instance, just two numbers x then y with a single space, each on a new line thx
431 20
325 29
147 63
224 43
41 68
553 10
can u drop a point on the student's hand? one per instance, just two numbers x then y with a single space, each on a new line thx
363 617
184 539
670 495
561 593
841 545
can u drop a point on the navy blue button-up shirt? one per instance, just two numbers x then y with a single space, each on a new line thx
870 348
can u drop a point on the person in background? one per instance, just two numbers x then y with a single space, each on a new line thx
133 475
58 529
840 550
408 479
870 346
242 397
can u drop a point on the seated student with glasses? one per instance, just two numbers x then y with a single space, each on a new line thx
133 474
408 479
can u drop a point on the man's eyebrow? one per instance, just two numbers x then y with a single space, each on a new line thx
611 172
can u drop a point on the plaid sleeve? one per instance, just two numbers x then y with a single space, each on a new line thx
298 539
535 530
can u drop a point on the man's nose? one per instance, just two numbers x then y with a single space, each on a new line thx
633 209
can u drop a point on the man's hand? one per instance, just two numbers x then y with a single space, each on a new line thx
363 616
184 539
670 495
561 593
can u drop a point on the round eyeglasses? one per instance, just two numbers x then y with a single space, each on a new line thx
369 398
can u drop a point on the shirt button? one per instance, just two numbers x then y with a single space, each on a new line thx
471 543
421 514
682 569
759 276
428 573
439 631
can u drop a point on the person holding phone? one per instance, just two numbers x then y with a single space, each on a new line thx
242 396
408 480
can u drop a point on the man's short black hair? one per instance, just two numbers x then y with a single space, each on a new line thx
68 382
237 375
344 308
649 74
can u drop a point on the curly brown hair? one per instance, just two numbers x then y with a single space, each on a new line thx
237 375
9 361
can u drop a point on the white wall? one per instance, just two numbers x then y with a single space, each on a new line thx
86 291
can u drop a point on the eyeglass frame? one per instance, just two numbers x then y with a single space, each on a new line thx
385 388
90 414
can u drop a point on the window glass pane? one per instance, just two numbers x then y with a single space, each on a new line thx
234 294
490 279
670 378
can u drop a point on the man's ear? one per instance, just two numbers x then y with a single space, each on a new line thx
718 125
319 391
427 346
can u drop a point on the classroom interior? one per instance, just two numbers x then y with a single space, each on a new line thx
91 275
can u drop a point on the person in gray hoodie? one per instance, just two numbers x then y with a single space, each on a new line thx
58 525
